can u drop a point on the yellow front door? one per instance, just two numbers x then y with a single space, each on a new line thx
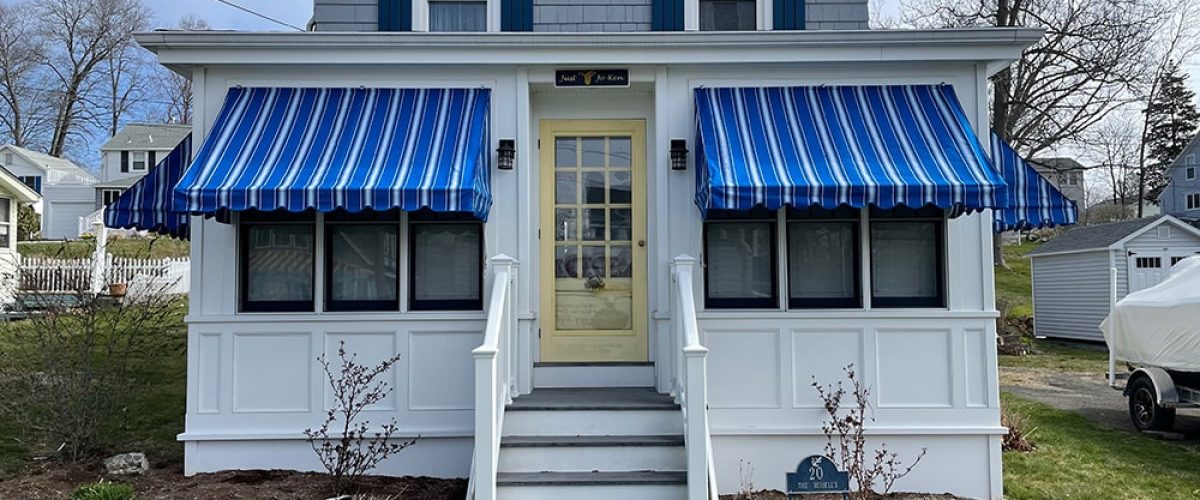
593 240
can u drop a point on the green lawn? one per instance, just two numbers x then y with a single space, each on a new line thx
1061 357
1076 458
1013 284
141 248
154 414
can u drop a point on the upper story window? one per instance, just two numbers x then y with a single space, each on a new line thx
1193 201
457 15
1073 178
8 159
33 181
728 15
138 160
1190 173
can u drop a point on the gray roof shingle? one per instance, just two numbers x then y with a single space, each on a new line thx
1096 237
141 136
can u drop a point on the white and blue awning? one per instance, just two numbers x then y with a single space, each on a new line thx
326 149
1033 202
829 146
146 205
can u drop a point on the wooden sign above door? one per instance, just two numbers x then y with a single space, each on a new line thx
591 78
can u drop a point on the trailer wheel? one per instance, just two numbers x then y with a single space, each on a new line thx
1144 410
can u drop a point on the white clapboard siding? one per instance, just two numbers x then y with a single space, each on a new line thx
155 276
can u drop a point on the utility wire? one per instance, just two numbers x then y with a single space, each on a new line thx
264 16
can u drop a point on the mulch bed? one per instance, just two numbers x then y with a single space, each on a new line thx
778 495
56 481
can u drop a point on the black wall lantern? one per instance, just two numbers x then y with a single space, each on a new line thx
679 154
506 154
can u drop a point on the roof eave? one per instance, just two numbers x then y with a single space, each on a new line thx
994 47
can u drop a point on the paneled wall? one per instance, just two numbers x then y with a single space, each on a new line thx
260 379
591 15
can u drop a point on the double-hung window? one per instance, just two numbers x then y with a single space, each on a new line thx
277 261
821 258
728 15
108 196
139 160
1190 173
361 266
458 15
1193 201
6 229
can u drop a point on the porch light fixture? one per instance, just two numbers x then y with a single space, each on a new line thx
679 154
506 154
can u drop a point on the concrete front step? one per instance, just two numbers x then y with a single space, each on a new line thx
628 485
591 453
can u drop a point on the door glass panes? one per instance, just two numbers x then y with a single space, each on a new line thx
594 233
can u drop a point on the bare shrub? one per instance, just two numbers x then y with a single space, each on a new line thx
68 371
846 443
1020 432
351 450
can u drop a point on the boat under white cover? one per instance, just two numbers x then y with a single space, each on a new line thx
1160 326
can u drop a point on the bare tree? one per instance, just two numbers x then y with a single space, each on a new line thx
84 35
22 112
175 88
125 86
1093 56
1113 147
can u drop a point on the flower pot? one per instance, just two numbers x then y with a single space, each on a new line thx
118 289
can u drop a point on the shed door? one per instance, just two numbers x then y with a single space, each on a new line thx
1147 269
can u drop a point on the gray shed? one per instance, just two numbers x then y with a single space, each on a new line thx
1071 273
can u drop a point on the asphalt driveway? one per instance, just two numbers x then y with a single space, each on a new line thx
1087 394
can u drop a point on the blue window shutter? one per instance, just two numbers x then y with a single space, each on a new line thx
395 15
789 14
516 15
666 15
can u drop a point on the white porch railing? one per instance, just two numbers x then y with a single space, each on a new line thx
88 222
691 383
495 376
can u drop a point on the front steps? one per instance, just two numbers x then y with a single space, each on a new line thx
592 443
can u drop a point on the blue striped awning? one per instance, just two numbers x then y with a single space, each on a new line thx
1034 202
840 145
146 205
354 149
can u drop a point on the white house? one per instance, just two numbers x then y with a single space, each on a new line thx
576 239
127 156
65 188
13 192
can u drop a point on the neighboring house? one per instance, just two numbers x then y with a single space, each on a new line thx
1108 210
1071 273
66 189
1181 196
637 220
13 192
1066 174
131 153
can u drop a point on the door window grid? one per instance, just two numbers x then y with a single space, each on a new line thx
593 209
1148 262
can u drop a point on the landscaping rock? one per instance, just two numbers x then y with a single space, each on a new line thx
127 463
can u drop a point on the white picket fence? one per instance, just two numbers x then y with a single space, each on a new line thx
156 276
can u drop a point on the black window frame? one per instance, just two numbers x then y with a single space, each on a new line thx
250 219
843 214
431 217
105 198
903 214
364 218
755 215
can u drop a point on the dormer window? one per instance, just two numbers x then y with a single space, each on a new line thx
728 15
457 15
138 160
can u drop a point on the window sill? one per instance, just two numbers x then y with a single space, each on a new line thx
341 316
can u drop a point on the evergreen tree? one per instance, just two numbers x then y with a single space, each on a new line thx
1172 119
